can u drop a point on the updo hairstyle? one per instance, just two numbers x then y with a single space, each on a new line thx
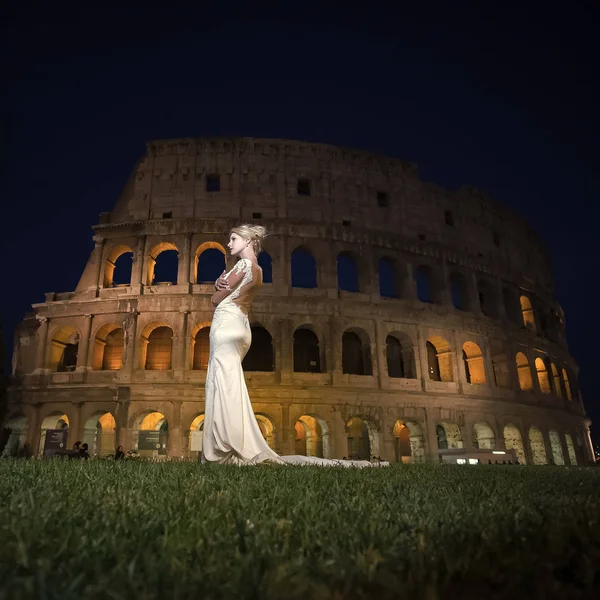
256 234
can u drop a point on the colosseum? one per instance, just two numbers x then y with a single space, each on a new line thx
397 319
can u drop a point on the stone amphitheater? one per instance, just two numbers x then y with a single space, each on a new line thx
397 319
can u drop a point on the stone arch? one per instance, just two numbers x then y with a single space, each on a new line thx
524 373
556 380
400 355
527 314
571 449
513 440
55 420
439 359
260 356
542 375
459 291
100 433
64 348
267 428
448 435
356 352
150 433
536 443
109 348
195 435
209 262
363 439
118 266
484 437
152 261
474 365
409 441
567 385
390 285
156 347
303 268
265 262
307 354
312 436
348 271
200 346
15 445
487 298
556 447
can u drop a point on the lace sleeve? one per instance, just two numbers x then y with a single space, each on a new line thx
242 266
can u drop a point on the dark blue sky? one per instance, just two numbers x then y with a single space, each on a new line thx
503 99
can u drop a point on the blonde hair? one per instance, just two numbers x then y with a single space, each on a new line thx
256 234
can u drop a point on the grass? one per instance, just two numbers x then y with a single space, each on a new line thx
141 530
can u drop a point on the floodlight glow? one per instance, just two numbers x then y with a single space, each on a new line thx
498 452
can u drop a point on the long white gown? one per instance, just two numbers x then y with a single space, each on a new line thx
231 432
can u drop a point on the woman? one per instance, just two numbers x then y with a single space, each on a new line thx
231 432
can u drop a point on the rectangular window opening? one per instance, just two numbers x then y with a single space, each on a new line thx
303 187
346 223
422 237
167 215
257 215
496 238
449 218
213 183
382 200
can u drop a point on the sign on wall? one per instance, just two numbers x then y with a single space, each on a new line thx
56 441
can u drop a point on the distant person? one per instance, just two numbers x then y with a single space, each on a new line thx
119 454
83 452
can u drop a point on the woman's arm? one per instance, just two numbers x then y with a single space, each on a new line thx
233 280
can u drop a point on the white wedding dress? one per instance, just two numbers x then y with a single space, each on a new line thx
231 432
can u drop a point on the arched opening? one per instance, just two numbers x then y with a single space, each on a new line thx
400 356
100 433
388 280
527 313
538 450
487 298
260 356
556 380
267 429
163 264
109 348
524 373
312 437
439 359
201 349
156 347
556 447
409 442
307 355
210 265
304 268
356 353
571 450
362 439
458 290
500 364
118 266
150 434
483 436
424 282
542 375
567 384
448 436
347 272
514 441
196 433
63 350
474 365
54 432
266 264
15 445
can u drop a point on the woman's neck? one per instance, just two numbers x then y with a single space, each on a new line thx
248 253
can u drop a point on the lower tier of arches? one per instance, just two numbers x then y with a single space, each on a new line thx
169 422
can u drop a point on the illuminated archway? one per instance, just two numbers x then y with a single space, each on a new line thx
542 375
513 440
538 449
524 373
527 313
556 447
439 359
474 365
483 436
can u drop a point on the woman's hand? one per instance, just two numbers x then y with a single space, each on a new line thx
221 283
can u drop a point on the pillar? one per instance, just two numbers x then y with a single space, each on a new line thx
174 448
179 343
287 431
138 265
130 327
98 248
380 356
432 447
42 340
83 358
184 262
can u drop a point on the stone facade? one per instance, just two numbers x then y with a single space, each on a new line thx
444 333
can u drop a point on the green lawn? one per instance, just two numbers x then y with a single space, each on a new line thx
138 530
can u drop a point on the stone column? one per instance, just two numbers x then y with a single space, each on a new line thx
138 265
83 359
445 293
179 343
466 432
432 447
565 450
380 350
174 437
422 350
130 327
287 431
184 261
548 447
42 340
409 289
286 366
473 291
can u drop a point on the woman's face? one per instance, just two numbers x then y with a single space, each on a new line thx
236 244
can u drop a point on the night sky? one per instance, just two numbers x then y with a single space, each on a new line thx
503 100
